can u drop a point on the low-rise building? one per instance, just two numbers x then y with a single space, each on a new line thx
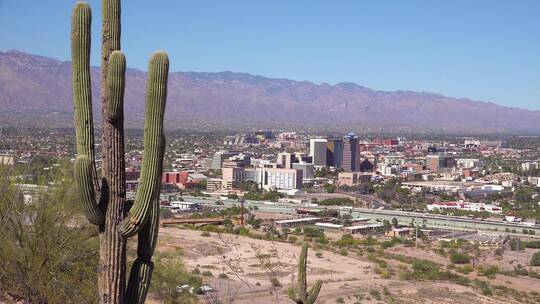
399 232
214 184
7 159
232 177
362 229
353 178
329 226
465 206
298 222
178 206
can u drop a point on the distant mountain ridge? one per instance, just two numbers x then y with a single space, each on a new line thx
31 84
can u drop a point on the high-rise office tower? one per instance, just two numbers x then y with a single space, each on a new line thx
334 153
350 153
317 150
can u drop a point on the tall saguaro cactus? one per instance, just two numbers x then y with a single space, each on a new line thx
304 296
104 199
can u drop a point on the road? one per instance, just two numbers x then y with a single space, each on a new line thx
403 217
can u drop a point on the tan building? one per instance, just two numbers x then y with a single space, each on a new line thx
397 232
214 184
7 159
232 177
353 178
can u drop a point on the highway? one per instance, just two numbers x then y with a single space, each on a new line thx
403 217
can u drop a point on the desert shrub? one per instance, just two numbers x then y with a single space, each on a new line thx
207 273
489 271
499 251
484 287
322 240
369 241
460 258
211 228
390 243
46 256
241 231
346 240
465 269
167 275
313 232
381 263
223 276
535 260
375 294
165 213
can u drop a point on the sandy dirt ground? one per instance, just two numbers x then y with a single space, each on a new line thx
507 262
349 278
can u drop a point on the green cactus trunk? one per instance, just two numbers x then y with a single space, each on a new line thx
304 296
104 199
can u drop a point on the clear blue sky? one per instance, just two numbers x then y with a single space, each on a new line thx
483 50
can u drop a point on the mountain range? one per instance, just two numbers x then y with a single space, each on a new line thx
37 89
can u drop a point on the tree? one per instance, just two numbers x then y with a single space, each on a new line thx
47 254
346 219
248 186
386 226
330 188
312 232
104 199
366 188
170 274
395 222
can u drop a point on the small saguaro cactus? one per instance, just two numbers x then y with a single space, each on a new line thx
303 295
104 199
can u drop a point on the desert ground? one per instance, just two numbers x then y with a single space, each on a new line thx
243 269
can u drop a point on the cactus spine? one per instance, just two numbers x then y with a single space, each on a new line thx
104 199
304 296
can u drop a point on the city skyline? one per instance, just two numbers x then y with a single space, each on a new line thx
224 170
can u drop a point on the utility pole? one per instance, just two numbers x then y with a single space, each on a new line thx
416 238
242 211
415 233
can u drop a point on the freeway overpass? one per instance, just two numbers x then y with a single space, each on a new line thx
403 217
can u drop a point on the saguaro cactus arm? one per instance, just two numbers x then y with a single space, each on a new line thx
116 82
82 94
302 280
305 297
314 292
141 271
83 173
156 95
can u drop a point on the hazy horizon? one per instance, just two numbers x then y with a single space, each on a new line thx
466 50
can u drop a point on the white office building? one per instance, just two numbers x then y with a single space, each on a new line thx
276 178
